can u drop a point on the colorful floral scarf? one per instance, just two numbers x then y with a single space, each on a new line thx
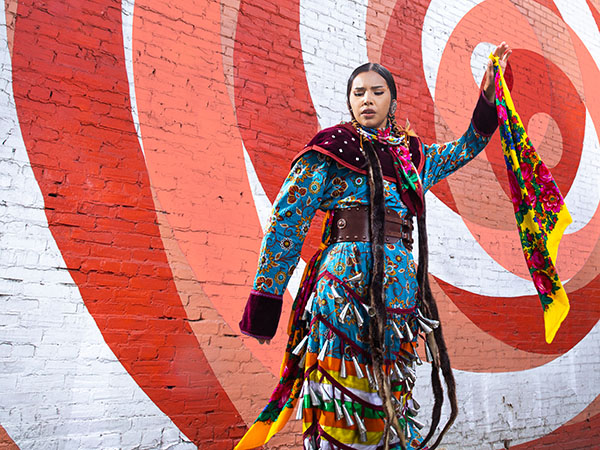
407 176
540 210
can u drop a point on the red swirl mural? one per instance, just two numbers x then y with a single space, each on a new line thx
158 226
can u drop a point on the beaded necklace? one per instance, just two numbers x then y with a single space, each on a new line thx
407 175
382 135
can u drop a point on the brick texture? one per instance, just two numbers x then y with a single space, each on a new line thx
128 216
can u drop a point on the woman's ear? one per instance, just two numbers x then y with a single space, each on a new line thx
393 107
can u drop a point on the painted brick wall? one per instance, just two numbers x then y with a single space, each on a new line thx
142 145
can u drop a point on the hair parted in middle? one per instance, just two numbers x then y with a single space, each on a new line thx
391 84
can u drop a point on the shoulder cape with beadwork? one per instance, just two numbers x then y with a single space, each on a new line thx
342 143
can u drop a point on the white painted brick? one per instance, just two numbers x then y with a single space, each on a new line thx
5 350
22 351
151 438
130 438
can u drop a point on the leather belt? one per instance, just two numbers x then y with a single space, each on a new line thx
352 225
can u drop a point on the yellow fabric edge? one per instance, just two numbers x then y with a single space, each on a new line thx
555 314
349 436
554 238
260 433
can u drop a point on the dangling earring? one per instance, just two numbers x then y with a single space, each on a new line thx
393 108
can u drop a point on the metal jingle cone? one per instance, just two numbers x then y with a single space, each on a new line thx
375 382
300 408
343 367
354 278
344 312
308 444
300 411
362 430
408 433
359 372
415 404
412 412
314 399
431 322
347 415
400 374
428 354
370 377
408 373
394 432
359 318
411 373
418 360
300 345
338 410
324 349
417 424
336 294
326 397
409 334
308 307
424 326
302 361
407 356
404 360
397 331
369 309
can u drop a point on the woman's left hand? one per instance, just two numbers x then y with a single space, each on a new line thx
502 52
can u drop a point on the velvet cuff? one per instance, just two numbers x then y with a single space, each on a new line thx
261 315
485 119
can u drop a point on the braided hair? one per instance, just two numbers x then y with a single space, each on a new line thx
441 359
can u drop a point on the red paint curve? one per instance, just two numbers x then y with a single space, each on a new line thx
275 112
581 435
72 97
522 323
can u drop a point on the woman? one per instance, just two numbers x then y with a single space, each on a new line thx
362 304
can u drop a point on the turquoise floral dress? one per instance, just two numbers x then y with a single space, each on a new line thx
339 404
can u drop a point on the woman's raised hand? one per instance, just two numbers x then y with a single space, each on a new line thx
502 52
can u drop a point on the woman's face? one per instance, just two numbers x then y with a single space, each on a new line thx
370 99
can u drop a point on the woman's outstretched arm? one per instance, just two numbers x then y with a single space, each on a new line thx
293 210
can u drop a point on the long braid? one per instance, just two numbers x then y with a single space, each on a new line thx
395 127
441 358
430 309
376 297
435 340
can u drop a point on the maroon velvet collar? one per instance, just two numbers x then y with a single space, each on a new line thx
341 142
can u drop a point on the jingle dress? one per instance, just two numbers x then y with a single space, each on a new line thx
327 364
